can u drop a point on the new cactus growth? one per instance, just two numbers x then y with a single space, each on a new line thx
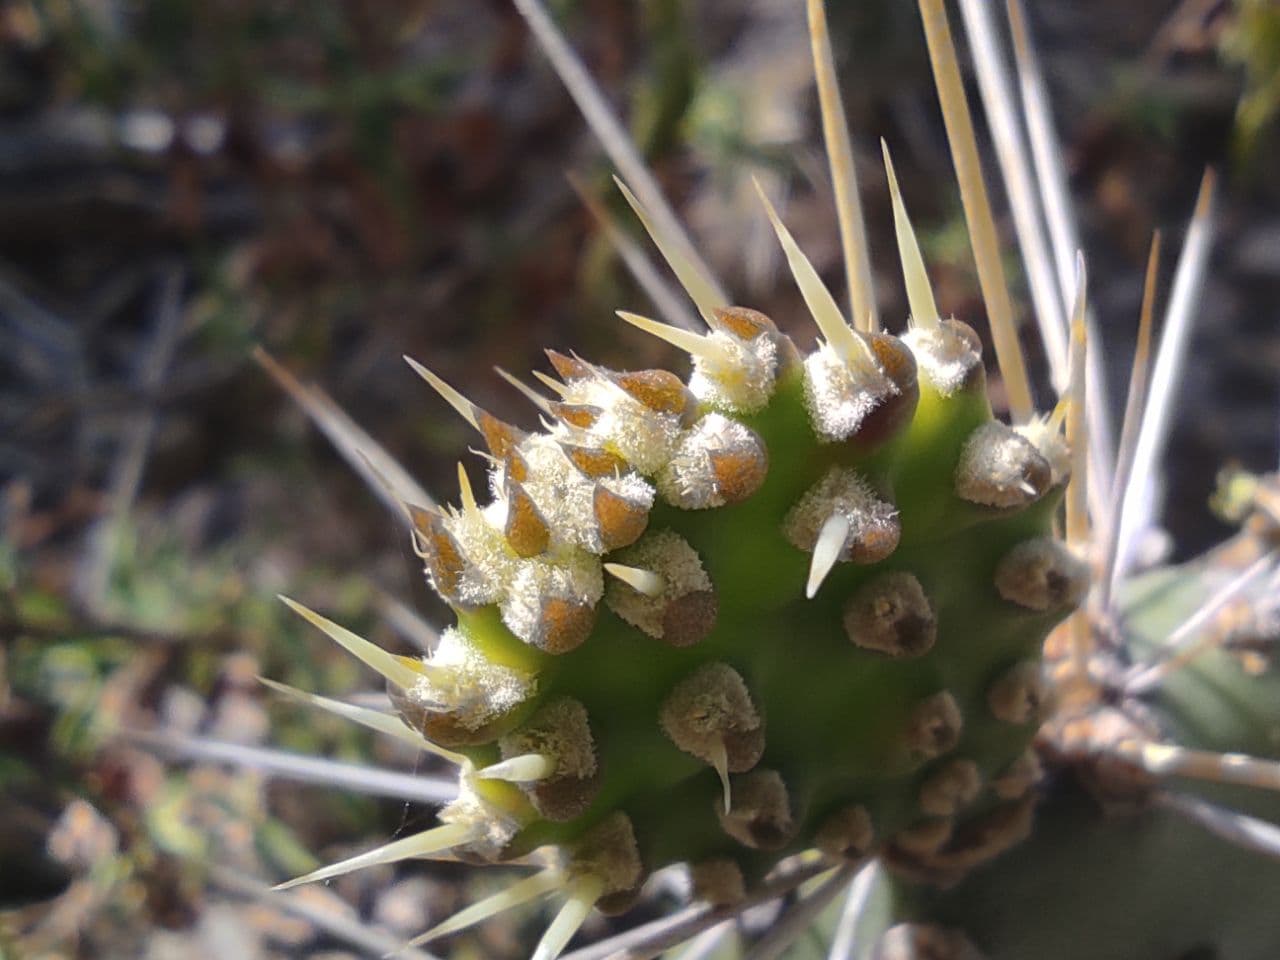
793 601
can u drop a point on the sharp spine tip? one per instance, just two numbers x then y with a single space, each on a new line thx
388 665
1208 187
826 551
720 763
924 310
386 723
822 306
691 343
552 384
527 391
419 845
680 256
466 409
835 132
468 495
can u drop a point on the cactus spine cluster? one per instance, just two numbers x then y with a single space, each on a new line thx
797 602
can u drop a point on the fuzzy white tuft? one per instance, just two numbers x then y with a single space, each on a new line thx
839 397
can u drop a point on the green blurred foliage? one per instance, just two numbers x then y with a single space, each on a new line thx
1253 41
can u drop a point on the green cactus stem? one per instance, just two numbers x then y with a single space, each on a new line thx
795 602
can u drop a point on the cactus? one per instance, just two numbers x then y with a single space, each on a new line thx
813 609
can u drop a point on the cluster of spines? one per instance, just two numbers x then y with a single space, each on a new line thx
571 524
615 442
569 527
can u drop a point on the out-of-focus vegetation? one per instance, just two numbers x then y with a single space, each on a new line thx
347 182
1253 40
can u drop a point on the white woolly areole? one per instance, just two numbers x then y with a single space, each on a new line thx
490 561
839 397
946 357
493 828
565 497
739 375
559 490
999 467
563 573
841 491
469 686
645 438
689 480
1051 443
669 555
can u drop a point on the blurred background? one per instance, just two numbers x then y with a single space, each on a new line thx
347 181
